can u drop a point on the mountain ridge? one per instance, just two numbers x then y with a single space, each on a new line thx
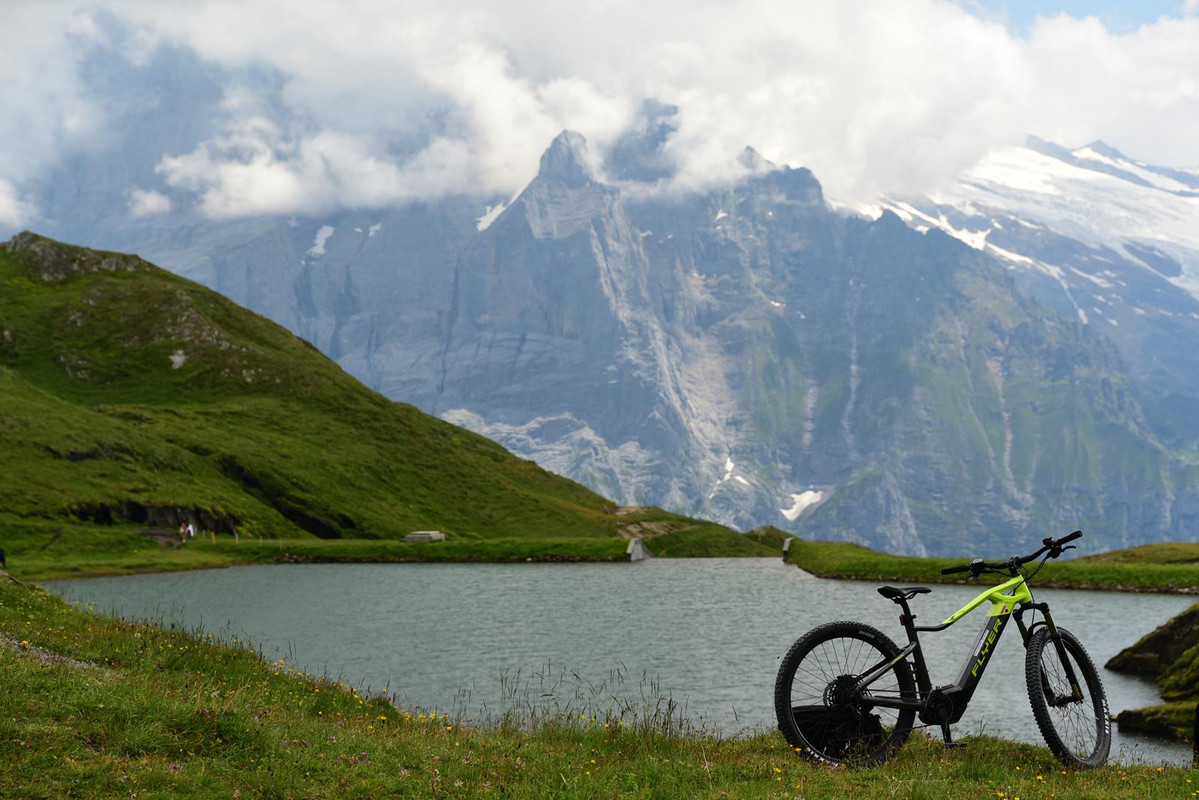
723 352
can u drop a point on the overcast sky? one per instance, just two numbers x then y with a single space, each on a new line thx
874 96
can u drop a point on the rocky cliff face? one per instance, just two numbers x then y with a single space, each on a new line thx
746 355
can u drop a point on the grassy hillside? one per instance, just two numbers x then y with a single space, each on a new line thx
133 399
96 707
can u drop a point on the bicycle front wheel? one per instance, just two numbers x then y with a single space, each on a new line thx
1077 729
818 709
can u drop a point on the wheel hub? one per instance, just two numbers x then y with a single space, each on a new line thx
840 691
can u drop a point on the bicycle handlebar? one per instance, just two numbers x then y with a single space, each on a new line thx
1069 538
1049 545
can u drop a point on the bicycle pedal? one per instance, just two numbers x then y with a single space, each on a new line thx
948 737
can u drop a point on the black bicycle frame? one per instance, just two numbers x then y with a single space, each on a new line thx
959 693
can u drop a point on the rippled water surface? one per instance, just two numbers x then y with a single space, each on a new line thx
708 632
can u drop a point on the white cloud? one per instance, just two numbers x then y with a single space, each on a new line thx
14 212
384 101
145 202
44 112
256 168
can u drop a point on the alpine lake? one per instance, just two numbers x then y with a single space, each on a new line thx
700 639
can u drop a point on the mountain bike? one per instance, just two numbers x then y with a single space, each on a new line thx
847 694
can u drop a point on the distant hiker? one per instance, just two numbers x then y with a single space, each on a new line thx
191 531
3 561
182 531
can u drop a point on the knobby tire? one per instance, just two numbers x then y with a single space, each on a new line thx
1078 732
823 724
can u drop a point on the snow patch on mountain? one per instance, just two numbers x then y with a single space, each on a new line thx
1133 168
318 242
909 213
729 468
1008 255
1098 280
490 215
801 502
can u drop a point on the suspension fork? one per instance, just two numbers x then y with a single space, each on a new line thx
1059 646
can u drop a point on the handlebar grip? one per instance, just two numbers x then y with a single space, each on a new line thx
952 570
1069 538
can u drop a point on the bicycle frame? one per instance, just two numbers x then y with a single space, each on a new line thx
1008 599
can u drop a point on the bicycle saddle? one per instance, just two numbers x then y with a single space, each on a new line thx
896 595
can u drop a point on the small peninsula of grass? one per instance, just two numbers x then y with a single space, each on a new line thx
95 706
1148 568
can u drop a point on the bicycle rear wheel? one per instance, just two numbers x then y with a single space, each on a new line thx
817 710
1078 731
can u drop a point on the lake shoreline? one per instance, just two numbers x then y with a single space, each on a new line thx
90 552
1146 569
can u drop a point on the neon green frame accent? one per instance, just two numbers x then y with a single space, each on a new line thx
1000 603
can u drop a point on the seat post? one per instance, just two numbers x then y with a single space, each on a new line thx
908 620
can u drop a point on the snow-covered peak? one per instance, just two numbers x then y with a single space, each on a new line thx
1093 194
